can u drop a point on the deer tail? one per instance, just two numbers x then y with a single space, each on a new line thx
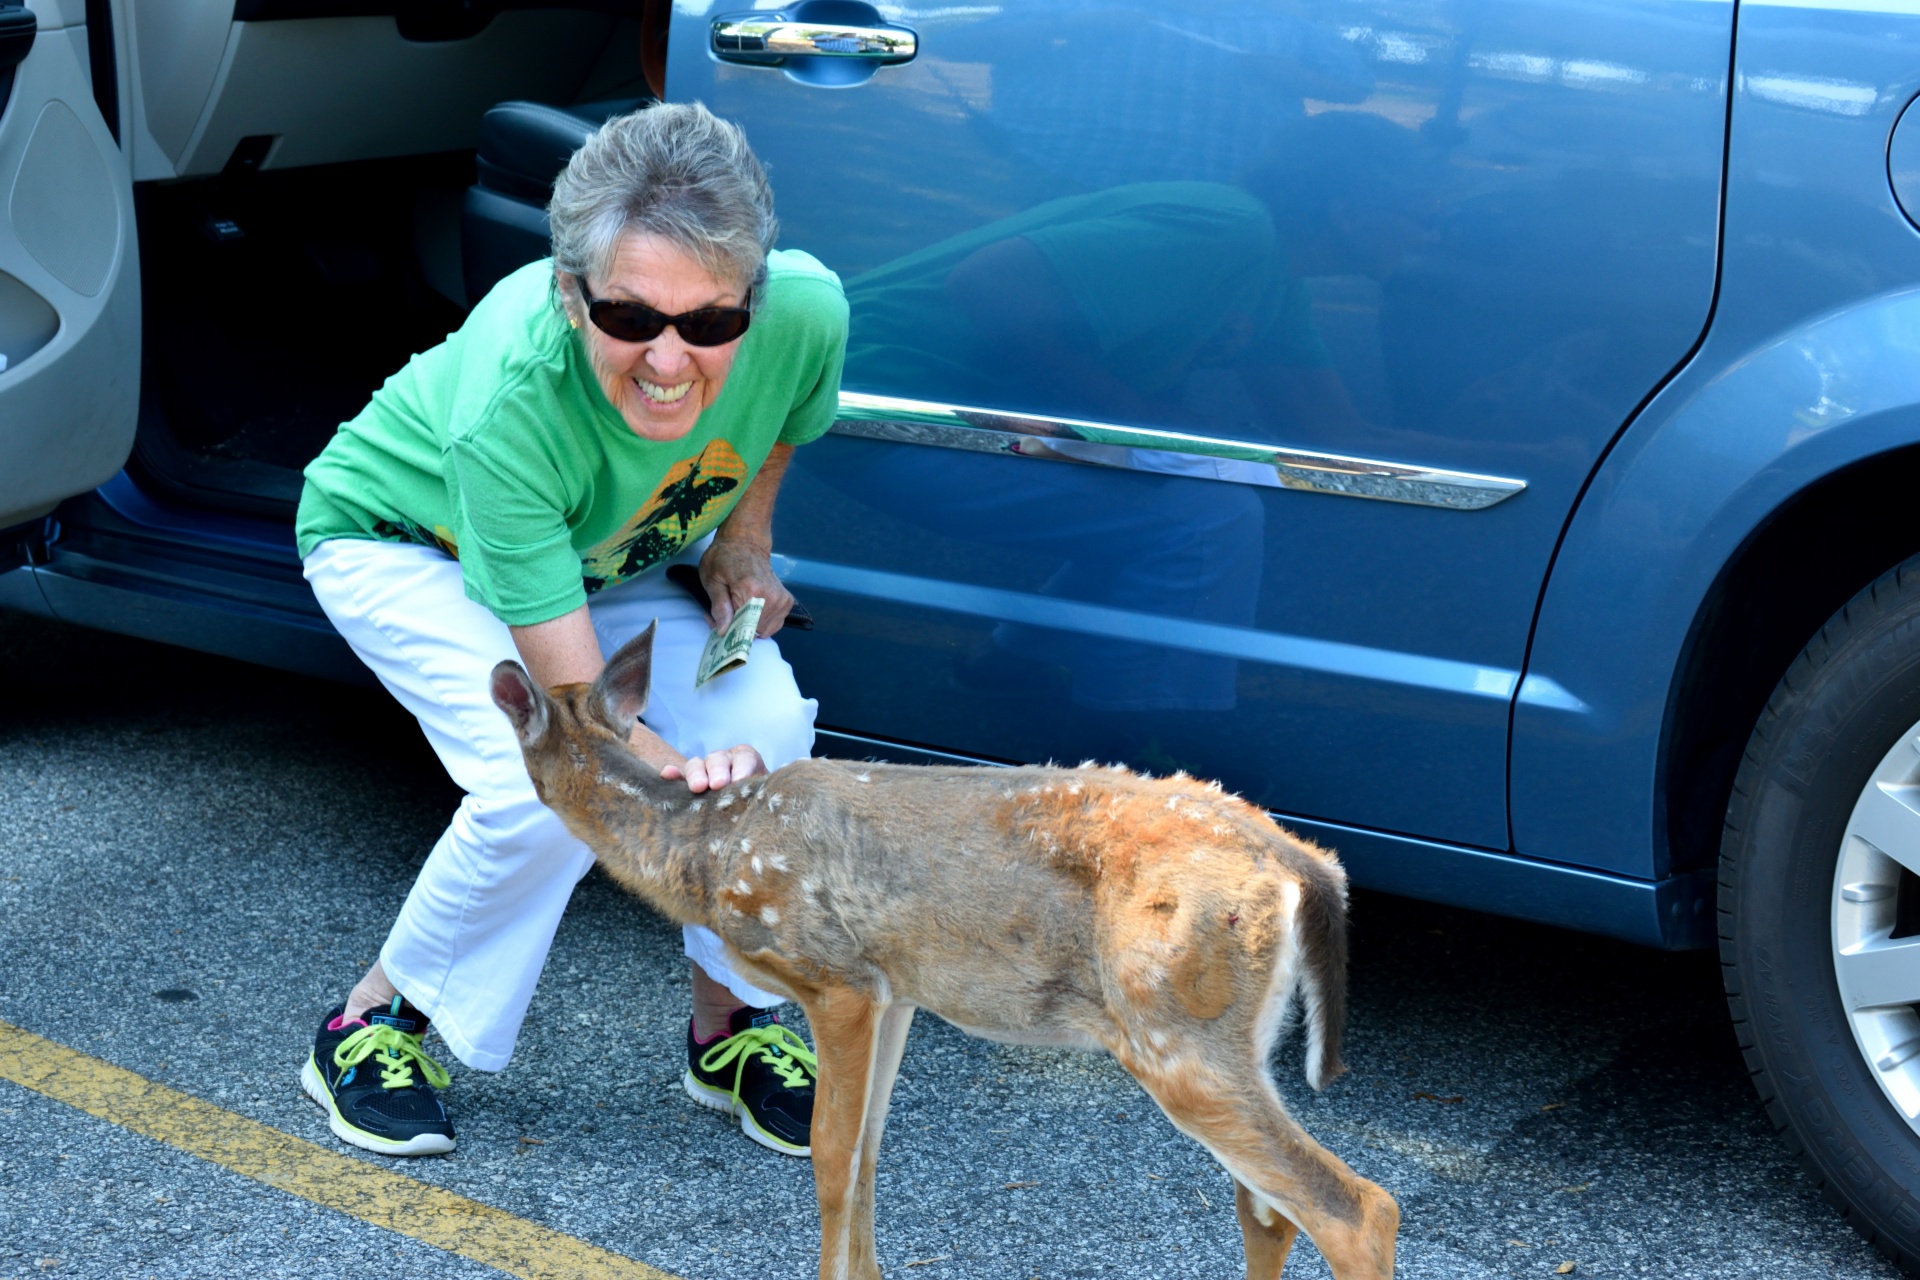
1321 925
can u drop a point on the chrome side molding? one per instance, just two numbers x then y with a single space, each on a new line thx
871 417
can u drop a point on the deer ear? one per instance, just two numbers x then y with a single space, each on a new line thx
621 690
525 704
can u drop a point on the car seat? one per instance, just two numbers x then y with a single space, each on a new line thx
523 148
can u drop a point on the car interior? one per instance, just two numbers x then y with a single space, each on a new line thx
324 196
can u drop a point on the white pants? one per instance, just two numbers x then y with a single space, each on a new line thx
473 935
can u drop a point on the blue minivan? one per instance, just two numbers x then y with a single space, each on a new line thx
1485 433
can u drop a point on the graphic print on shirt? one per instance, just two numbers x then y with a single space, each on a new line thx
693 497
404 530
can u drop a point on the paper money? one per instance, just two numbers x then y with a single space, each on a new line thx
728 649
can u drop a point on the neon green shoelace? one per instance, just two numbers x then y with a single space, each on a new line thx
399 1053
778 1047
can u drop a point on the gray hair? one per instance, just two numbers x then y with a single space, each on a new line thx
674 170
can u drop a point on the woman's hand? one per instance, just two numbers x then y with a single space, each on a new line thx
736 569
717 768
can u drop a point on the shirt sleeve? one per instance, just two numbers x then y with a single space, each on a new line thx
818 403
509 520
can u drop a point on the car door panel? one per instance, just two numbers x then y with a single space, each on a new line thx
69 281
1467 236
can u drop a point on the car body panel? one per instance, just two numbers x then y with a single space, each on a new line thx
1812 365
1498 223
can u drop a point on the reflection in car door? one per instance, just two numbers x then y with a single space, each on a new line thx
1257 353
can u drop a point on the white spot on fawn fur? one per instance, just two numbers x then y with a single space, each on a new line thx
695 807
863 777
778 861
743 887
726 798
746 846
758 866
769 916
713 846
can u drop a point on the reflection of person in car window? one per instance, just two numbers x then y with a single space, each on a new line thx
517 492
1108 306
1102 301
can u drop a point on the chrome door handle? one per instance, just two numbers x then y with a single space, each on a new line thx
824 42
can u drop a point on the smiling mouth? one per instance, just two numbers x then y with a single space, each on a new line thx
662 395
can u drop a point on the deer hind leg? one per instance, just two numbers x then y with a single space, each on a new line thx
1267 1235
1279 1167
846 1025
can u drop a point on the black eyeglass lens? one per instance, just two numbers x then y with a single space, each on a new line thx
713 327
627 321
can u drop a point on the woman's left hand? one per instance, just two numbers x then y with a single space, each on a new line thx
734 571
717 768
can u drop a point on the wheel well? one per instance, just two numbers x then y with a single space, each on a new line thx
1790 575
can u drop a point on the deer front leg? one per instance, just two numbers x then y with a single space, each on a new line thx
1268 1236
845 1026
890 1042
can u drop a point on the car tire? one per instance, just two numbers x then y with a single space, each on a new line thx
1804 896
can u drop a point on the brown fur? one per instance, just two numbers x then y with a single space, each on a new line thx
1156 918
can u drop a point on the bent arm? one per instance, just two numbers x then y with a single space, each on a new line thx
738 566
565 650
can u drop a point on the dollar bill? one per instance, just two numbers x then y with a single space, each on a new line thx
728 649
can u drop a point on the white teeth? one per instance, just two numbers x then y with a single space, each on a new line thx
663 395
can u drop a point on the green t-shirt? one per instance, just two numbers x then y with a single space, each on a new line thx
499 446
1158 270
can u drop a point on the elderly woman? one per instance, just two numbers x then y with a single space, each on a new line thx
518 491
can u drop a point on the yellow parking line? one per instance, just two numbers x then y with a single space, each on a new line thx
298 1167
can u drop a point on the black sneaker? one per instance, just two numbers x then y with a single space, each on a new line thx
761 1072
376 1083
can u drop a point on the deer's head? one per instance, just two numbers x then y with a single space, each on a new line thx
578 729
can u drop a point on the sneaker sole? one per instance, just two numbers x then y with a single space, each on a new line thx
425 1144
721 1100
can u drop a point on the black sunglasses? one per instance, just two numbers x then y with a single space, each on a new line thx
638 322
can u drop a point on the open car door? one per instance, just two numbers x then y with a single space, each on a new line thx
69 268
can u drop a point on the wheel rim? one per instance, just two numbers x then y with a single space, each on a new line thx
1878 972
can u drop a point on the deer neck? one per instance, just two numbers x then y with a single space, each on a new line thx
651 833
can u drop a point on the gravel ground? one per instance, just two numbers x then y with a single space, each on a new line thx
176 823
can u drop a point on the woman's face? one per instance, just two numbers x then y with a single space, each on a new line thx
659 387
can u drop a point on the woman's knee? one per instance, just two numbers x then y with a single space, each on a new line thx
786 734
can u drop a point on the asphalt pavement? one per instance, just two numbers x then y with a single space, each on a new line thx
197 857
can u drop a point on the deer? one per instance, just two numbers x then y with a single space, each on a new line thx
1160 920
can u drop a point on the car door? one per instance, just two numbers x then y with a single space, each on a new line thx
1222 375
69 276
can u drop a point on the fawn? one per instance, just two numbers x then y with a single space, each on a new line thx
1158 919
